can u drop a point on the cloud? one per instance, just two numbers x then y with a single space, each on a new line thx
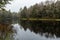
17 4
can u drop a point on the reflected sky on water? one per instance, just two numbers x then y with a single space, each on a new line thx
24 32
28 35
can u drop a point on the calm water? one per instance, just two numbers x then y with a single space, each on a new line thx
22 34
25 31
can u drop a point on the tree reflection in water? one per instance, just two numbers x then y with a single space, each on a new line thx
49 28
5 31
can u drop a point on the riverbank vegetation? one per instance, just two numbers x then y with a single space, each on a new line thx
42 18
45 10
39 18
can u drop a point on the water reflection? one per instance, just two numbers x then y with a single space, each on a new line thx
5 31
22 34
50 28
30 30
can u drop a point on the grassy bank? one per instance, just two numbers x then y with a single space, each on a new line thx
40 19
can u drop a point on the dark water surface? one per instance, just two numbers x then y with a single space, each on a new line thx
22 34
30 31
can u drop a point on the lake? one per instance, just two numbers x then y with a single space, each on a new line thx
28 31
22 34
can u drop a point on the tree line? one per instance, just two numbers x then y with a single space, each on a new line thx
7 16
46 9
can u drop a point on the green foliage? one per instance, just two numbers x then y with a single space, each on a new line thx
3 2
5 16
42 10
24 13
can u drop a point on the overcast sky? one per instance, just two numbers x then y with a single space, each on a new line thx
17 4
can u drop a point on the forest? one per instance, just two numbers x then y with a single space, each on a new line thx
42 17
43 10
